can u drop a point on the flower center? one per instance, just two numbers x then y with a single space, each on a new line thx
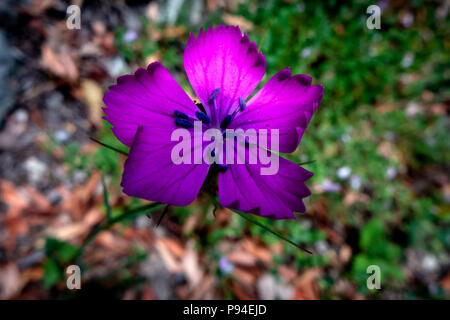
184 121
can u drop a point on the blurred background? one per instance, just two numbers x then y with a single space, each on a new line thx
379 142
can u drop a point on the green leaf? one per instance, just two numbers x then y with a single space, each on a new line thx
110 147
60 251
52 273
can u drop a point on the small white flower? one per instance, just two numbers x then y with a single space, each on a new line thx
130 36
306 52
321 247
225 265
301 7
355 182
407 60
344 172
61 135
345 137
430 263
329 186
391 173
407 20
412 109
35 169
21 116
116 66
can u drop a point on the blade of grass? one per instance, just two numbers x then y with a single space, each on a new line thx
285 156
261 225
109 147
279 235
306 162
163 214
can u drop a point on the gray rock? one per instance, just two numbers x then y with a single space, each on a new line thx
7 68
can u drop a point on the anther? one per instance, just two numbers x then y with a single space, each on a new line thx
180 115
203 117
183 123
242 104
225 122
214 95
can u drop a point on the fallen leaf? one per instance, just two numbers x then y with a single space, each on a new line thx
205 289
240 21
60 64
174 32
261 253
93 96
345 253
172 264
353 197
74 231
191 266
244 276
242 258
240 292
10 281
306 285
174 246
37 7
445 283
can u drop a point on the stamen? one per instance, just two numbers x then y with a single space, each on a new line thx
180 115
183 123
242 104
214 95
203 117
225 122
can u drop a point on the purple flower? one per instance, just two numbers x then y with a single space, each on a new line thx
224 68
225 265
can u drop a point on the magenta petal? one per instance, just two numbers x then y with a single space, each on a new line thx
286 103
147 96
223 58
150 172
243 188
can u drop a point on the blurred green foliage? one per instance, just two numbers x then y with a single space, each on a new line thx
59 254
361 71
